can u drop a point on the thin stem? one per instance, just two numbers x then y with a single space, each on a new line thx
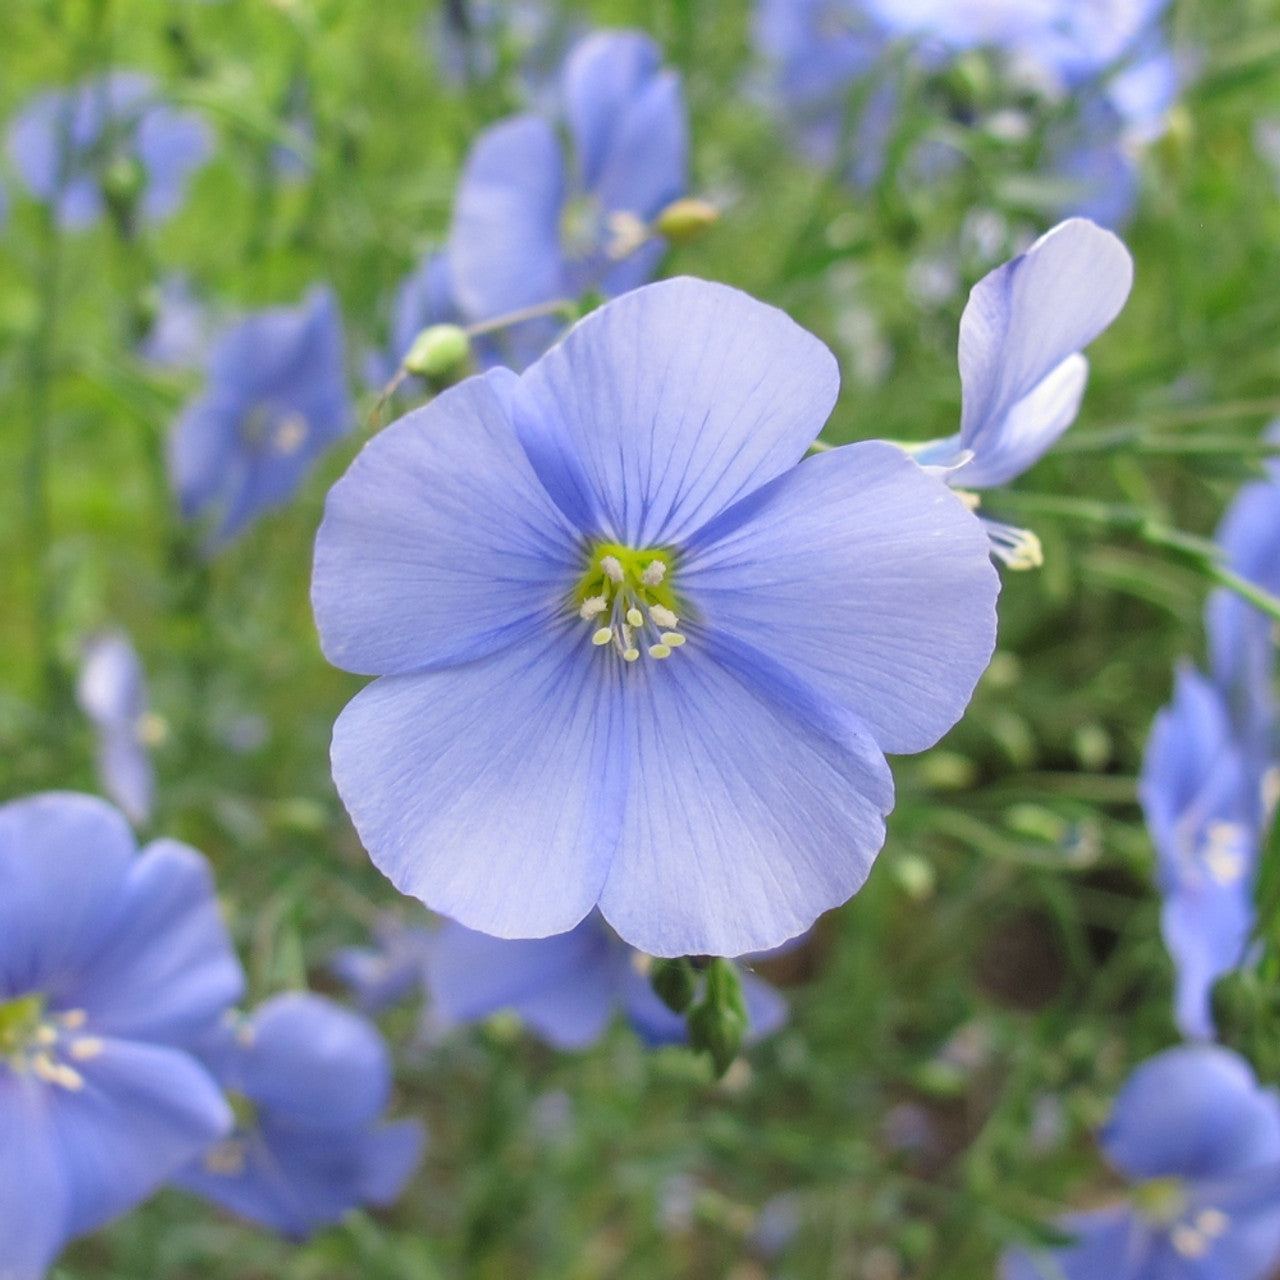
560 306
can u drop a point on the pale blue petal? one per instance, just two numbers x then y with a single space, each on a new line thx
504 245
1249 1249
1206 929
111 689
1196 1112
646 165
439 545
310 1063
1025 318
36 1201
143 1112
63 861
167 970
603 76
767 1009
751 807
864 576
648 1014
1111 1244
171 146
492 791
666 405
1029 429
389 1156
126 771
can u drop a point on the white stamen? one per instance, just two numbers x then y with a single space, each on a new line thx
663 616
72 1019
85 1048
611 567
673 639
630 655
1212 1222
289 434
603 636
225 1158
635 617
593 607
45 1034
659 651
653 574
1188 1241
56 1072
1017 548
1224 852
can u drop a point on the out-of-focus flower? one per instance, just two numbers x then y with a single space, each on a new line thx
112 966
312 1081
112 692
1021 372
275 400
529 229
109 140
1203 811
384 974
1200 1142
567 987
635 652
181 328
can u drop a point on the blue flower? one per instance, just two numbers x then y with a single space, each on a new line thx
181 328
65 144
276 399
384 974
1201 1142
523 561
567 987
112 692
313 1080
529 230
1203 810
1021 372
112 966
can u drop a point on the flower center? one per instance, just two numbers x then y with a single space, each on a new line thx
1160 1200
35 1041
628 598
264 430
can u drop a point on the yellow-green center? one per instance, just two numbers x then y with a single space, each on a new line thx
20 1021
628 597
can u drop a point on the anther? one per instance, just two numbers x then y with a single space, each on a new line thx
602 636
611 567
635 617
1211 1222
659 651
85 1048
672 639
56 1072
593 607
653 574
1188 1241
663 616
72 1019
630 655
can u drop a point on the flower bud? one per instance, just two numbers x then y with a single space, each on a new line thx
440 353
674 982
685 220
719 1023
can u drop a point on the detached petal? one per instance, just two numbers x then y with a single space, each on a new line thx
668 404
493 790
1025 318
439 545
865 577
504 245
1195 1111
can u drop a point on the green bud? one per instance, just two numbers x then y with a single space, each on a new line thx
439 353
123 181
675 983
685 220
719 1024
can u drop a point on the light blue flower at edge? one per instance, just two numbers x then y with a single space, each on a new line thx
113 965
275 400
529 229
112 692
313 1080
635 652
1200 1142
1021 372
63 142
568 987
1203 810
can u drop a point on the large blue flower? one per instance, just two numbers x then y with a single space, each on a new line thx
313 1079
1201 1143
112 966
635 652
1203 810
276 399
529 229
66 143
567 987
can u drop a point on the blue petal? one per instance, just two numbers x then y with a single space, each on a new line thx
504 245
752 807
1025 318
383 975
311 1064
111 688
668 404
647 1014
143 1112
171 145
492 791
1249 1246
1111 1245
126 771
63 863
1194 1112
36 1199
439 545
1206 929
603 76
166 971
865 577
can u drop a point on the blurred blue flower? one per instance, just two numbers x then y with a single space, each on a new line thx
181 329
112 966
112 692
312 1081
567 987
523 561
1200 1141
392 968
529 230
1021 372
276 399
1203 811
111 133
